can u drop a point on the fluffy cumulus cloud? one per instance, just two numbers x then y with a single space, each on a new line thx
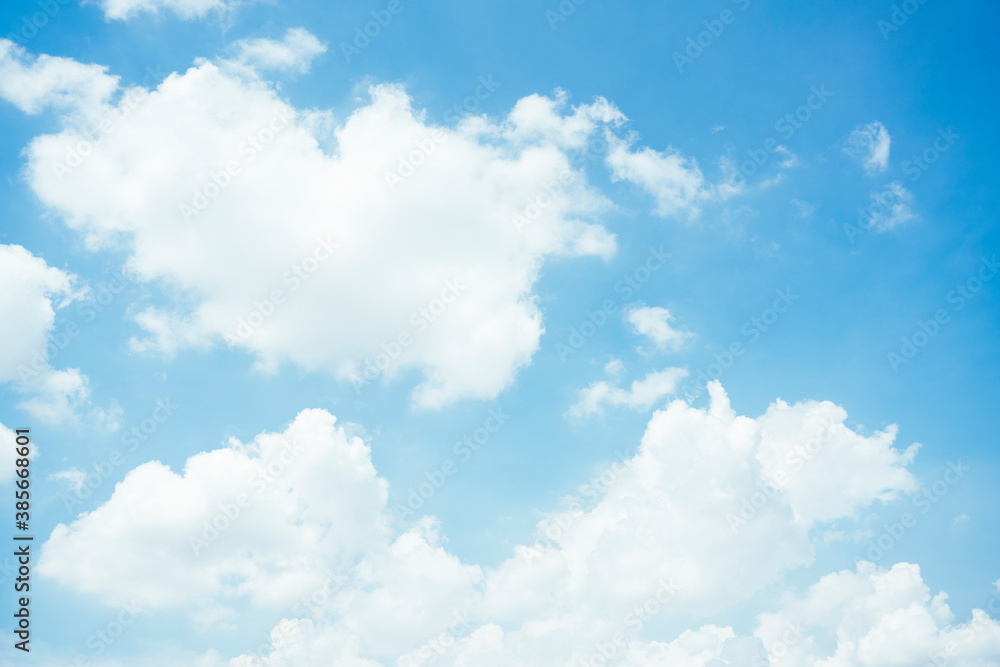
278 237
31 292
654 323
648 543
265 520
123 10
870 144
33 84
674 181
295 52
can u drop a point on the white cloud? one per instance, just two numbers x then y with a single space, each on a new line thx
72 477
890 207
295 502
295 52
870 144
871 616
123 10
805 209
662 518
643 394
654 322
47 81
246 234
825 469
31 292
673 180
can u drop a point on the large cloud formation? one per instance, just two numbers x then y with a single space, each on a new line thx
276 230
712 508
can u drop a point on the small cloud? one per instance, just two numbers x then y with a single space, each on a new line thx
791 159
642 395
293 53
614 367
890 208
654 323
73 478
805 208
870 144
961 518
718 128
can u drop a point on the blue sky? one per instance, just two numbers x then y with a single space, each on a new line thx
733 247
